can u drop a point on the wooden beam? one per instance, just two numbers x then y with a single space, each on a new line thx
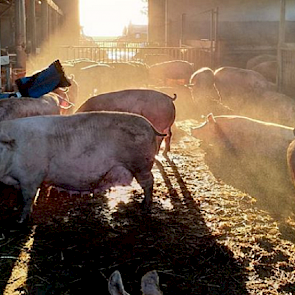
54 6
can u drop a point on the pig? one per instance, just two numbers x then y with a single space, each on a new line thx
94 78
79 152
205 95
151 59
155 106
268 69
184 105
237 86
149 284
275 107
129 75
161 73
250 155
12 108
248 93
203 77
254 61
202 85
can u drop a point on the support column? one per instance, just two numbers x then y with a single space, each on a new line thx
45 20
20 33
32 22
156 26
282 30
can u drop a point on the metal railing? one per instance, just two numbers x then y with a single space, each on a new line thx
198 56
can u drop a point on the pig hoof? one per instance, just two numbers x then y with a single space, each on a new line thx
165 153
23 221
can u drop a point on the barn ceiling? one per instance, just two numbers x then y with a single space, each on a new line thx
9 2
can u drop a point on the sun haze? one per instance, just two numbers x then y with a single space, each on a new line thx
109 17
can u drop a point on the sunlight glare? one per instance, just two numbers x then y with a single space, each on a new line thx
108 18
19 273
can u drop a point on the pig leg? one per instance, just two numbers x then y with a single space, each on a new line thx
159 140
167 140
28 193
146 181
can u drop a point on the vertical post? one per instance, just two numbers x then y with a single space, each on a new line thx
217 48
49 24
211 37
282 30
182 32
32 20
156 24
45 20
166 23
20 33
55 21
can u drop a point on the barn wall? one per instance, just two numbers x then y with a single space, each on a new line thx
7 31
242 24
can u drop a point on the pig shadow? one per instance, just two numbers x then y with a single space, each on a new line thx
273 191
79 242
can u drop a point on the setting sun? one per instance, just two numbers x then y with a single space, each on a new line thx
108 18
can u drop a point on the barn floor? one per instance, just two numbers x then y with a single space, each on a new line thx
203 237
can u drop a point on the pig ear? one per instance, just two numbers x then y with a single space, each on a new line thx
210 118
150 283
6 140
115 284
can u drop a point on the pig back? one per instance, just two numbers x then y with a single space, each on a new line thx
237 84
155 106
12 108
174 69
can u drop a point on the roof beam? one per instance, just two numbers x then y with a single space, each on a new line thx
54 6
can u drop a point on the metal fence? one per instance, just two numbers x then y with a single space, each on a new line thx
200 57
287 70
